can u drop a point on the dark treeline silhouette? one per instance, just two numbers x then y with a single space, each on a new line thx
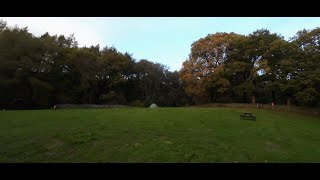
39 72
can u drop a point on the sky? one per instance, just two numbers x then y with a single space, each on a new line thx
166 40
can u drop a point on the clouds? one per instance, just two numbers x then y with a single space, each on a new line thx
82 28
159 39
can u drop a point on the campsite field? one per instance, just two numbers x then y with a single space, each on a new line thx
158 135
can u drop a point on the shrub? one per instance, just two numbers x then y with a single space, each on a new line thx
307 97
137 103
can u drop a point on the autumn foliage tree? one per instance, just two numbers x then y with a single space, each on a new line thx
205 72
261 67
228 67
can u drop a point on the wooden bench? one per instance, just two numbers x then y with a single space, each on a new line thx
247 116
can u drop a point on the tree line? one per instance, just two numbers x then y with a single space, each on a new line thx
39 72
261 67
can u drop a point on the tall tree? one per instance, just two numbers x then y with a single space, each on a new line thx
204 71
308 65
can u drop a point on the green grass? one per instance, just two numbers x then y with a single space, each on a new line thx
158 135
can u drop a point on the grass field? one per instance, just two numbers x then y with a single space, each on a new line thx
158 135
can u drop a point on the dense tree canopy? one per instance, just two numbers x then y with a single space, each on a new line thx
38 72
228 67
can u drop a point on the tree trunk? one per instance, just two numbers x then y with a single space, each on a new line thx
145 87
84 96
253 99
244 97
150 94
273 97
211 96
153 94
288 101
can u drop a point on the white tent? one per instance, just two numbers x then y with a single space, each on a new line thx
153 105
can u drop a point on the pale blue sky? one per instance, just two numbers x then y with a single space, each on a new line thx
166 40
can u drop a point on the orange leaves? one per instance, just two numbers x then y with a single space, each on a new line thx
205 69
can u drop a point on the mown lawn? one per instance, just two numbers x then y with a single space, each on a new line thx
157 135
